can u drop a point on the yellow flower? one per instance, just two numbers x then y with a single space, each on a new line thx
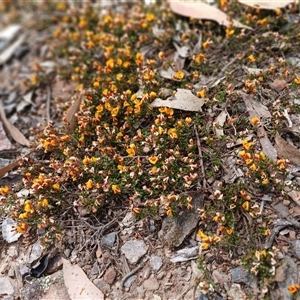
114 112
89 184
292 289
172 132
204 238
139 59
251 58
22 228
44 203
150 17
188 120
116 189
262 155
255 121
56 186
28 207
169 212
201 94
205 246
229 32
179 75
253 167
119 76
297 80
153 159
25 215
229 231
262 21
4 190
265 181
246 205
247 145
131 150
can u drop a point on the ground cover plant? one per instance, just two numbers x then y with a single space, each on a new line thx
117 148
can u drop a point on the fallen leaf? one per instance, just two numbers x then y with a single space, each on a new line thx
200 10
287 151
295 195
219 123
13 131
267 4
5 144
77 283
70 116
258 110
14 164
183 99
9 51
278 85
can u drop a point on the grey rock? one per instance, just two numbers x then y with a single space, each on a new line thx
36 252
155 262
286 274
102 286
281 209
95 269
134 250
219 277
185 254
9 233
175 230
236 293
240 275
109 240
6 286
67 252
151 284
130 281
296 247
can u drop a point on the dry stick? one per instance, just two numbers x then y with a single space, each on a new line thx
48 104
130 274
200 156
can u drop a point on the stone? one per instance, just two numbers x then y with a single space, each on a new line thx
134 250
109 240
102 286
130 281
175 230
155 262
6 286
241 275
220 277
296 246
281 209
236 293
110 275
151 284
285 275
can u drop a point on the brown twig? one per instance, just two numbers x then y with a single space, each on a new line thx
200 156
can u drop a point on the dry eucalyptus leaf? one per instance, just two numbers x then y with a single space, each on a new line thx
200 10
13 165
183 99
267 4
287 151
10 50
219 123
13 131
70 116
78 285
278 84
256 109
5 144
